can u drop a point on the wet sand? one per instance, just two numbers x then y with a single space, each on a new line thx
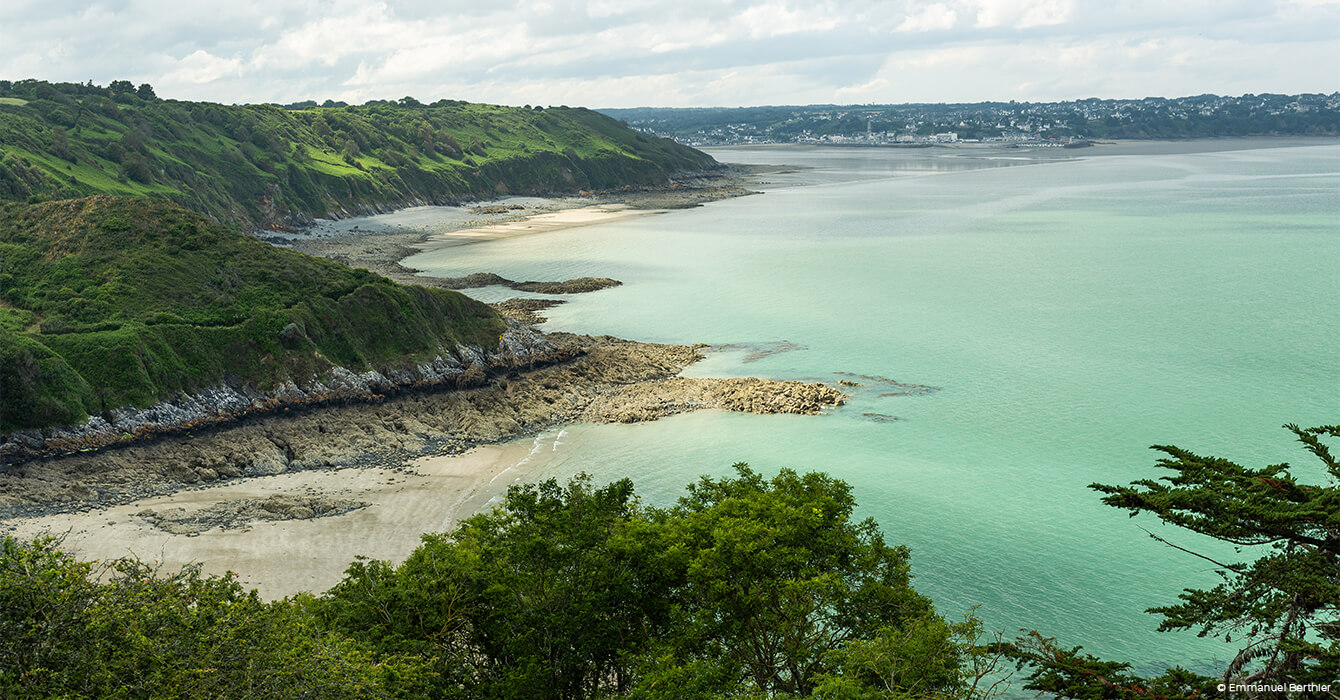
283 557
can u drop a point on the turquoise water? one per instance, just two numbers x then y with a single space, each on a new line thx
1071 310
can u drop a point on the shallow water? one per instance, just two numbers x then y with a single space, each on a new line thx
1072 309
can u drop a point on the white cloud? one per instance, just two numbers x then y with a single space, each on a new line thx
932 17
773 19
1021 14
203 67
367 29
866 92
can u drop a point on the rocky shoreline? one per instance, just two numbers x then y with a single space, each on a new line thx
604 380
463 398
453 368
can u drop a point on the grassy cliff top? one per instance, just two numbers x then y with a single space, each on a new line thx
260 165
112 301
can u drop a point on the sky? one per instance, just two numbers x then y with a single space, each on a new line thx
683 53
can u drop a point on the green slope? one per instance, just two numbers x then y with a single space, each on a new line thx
261 165
112 301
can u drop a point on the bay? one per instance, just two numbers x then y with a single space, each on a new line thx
1070 308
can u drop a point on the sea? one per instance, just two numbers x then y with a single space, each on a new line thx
1020 322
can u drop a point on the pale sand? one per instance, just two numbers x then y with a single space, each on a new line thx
537 223
281 558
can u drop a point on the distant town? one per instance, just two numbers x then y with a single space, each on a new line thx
1043 123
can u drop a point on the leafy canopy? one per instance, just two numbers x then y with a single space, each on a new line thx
747 586
1282 607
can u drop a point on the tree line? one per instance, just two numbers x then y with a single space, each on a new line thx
747 587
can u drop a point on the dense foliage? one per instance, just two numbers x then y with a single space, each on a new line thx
749 587
140 634
258 165
1282 607
108 301
746 588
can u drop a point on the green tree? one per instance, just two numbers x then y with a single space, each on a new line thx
746 586
776 575
1283 607
350 152
60 145
546 597
140 633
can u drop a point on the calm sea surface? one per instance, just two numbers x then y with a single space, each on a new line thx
1071 307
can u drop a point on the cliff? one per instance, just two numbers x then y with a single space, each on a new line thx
259 166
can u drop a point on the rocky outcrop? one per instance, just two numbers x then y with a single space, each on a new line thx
580 285
457 368
607 380
522 309
242 513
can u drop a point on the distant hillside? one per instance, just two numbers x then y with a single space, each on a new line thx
108 301
260 165
1201 116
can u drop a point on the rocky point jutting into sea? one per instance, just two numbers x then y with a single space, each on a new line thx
465 396
500 397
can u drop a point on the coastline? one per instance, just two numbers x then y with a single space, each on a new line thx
380 242
315 489
288 499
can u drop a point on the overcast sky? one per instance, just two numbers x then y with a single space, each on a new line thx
627 53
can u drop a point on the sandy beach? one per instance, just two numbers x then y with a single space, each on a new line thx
546 222
379 242
282 557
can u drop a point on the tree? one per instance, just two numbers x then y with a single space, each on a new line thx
776 576
1283 607
350 152
549 596
747 586
142 633
146 92
60 145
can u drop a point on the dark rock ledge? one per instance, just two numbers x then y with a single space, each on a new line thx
460 367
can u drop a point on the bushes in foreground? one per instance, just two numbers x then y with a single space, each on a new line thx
746 587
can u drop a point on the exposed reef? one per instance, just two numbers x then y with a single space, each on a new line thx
485 279
523 309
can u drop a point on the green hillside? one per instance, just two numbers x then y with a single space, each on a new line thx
260 165
111 301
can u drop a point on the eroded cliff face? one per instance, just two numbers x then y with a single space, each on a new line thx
530 383
460 367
